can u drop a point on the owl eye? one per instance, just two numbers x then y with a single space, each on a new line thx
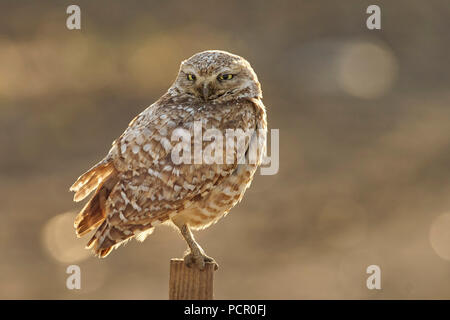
225 77
190 77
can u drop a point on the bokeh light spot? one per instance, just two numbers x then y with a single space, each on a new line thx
366 70
440 236
60 241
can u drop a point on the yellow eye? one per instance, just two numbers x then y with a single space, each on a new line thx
225 77
190 77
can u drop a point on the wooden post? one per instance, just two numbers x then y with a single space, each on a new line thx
190 283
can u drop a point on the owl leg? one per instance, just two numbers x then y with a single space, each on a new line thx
196 256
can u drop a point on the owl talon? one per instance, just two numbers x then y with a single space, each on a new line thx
199 261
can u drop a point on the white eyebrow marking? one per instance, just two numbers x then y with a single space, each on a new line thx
188 69
226 70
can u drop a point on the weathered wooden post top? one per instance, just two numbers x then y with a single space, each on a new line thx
191 283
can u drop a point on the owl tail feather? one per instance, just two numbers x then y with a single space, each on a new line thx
90 180
93 213
96 245
108 237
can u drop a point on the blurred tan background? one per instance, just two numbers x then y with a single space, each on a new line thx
364 119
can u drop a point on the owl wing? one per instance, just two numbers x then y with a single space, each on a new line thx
152 186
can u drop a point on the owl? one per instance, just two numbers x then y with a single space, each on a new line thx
141 183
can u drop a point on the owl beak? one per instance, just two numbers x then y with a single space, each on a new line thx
206 91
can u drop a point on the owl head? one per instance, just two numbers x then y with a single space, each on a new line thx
217 76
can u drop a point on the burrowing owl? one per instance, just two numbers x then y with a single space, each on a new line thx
139 185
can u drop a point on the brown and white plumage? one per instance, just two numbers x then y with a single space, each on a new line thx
138 186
